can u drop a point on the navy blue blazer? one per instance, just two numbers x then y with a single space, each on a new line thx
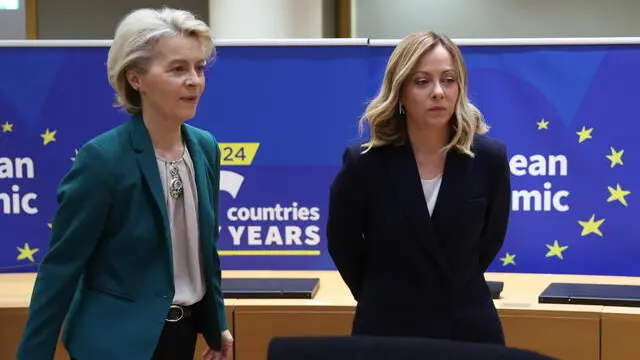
413 274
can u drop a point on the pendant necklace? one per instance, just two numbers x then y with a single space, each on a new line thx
176 187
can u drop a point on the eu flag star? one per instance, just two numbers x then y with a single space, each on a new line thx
584 134
6 127
618 194
543 125
615 157
556 250
591 226
48 136
76 154
508 259
26 252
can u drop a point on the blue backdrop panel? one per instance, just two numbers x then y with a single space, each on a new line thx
576 90
573 204
298 105
301 105
60 90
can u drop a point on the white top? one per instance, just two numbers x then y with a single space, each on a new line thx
185 238
430 188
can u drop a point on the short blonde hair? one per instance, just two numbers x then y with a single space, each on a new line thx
388 126
134 41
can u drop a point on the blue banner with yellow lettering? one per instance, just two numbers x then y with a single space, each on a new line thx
283 115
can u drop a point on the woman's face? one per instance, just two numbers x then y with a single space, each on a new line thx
430 94
174 82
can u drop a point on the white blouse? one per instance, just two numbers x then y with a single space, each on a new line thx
430 188
185 238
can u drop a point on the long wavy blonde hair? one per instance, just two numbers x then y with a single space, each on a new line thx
388 126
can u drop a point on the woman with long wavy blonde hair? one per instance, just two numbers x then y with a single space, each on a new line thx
419 211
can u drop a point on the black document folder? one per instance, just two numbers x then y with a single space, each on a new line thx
270 288
495 287
591 294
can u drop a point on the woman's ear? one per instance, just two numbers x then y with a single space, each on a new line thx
133 79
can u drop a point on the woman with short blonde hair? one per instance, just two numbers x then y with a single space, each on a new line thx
132 268
418 212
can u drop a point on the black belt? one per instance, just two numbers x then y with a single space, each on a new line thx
178 312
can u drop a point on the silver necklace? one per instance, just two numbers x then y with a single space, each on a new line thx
176 187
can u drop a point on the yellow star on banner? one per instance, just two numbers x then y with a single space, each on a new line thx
584 134
6 127
556 250
50 225
48 136
618 194
26 253
542 124
74 158
591 226
508 259
615 157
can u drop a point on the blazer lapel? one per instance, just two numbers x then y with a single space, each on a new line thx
205 211
403 171
146 156
457 168
141 142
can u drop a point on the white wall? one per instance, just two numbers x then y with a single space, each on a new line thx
268 19
387 19
13 24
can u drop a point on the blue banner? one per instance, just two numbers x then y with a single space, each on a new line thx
283 115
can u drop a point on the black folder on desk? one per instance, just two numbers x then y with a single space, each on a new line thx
591 294
269 288
495 288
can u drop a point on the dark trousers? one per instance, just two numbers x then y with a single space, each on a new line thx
178 339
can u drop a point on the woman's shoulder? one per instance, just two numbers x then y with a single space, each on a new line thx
361 154
201 134
356 157
490 152
488 147
203 137
109 144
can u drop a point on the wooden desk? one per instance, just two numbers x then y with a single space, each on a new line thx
562 331
620 327
257 321
566 332
15 295
595 332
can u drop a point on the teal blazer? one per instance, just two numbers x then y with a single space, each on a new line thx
108 272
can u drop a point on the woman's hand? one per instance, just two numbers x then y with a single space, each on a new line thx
225 353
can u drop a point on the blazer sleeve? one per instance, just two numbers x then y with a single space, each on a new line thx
84 202
346 221
217 281
499 209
